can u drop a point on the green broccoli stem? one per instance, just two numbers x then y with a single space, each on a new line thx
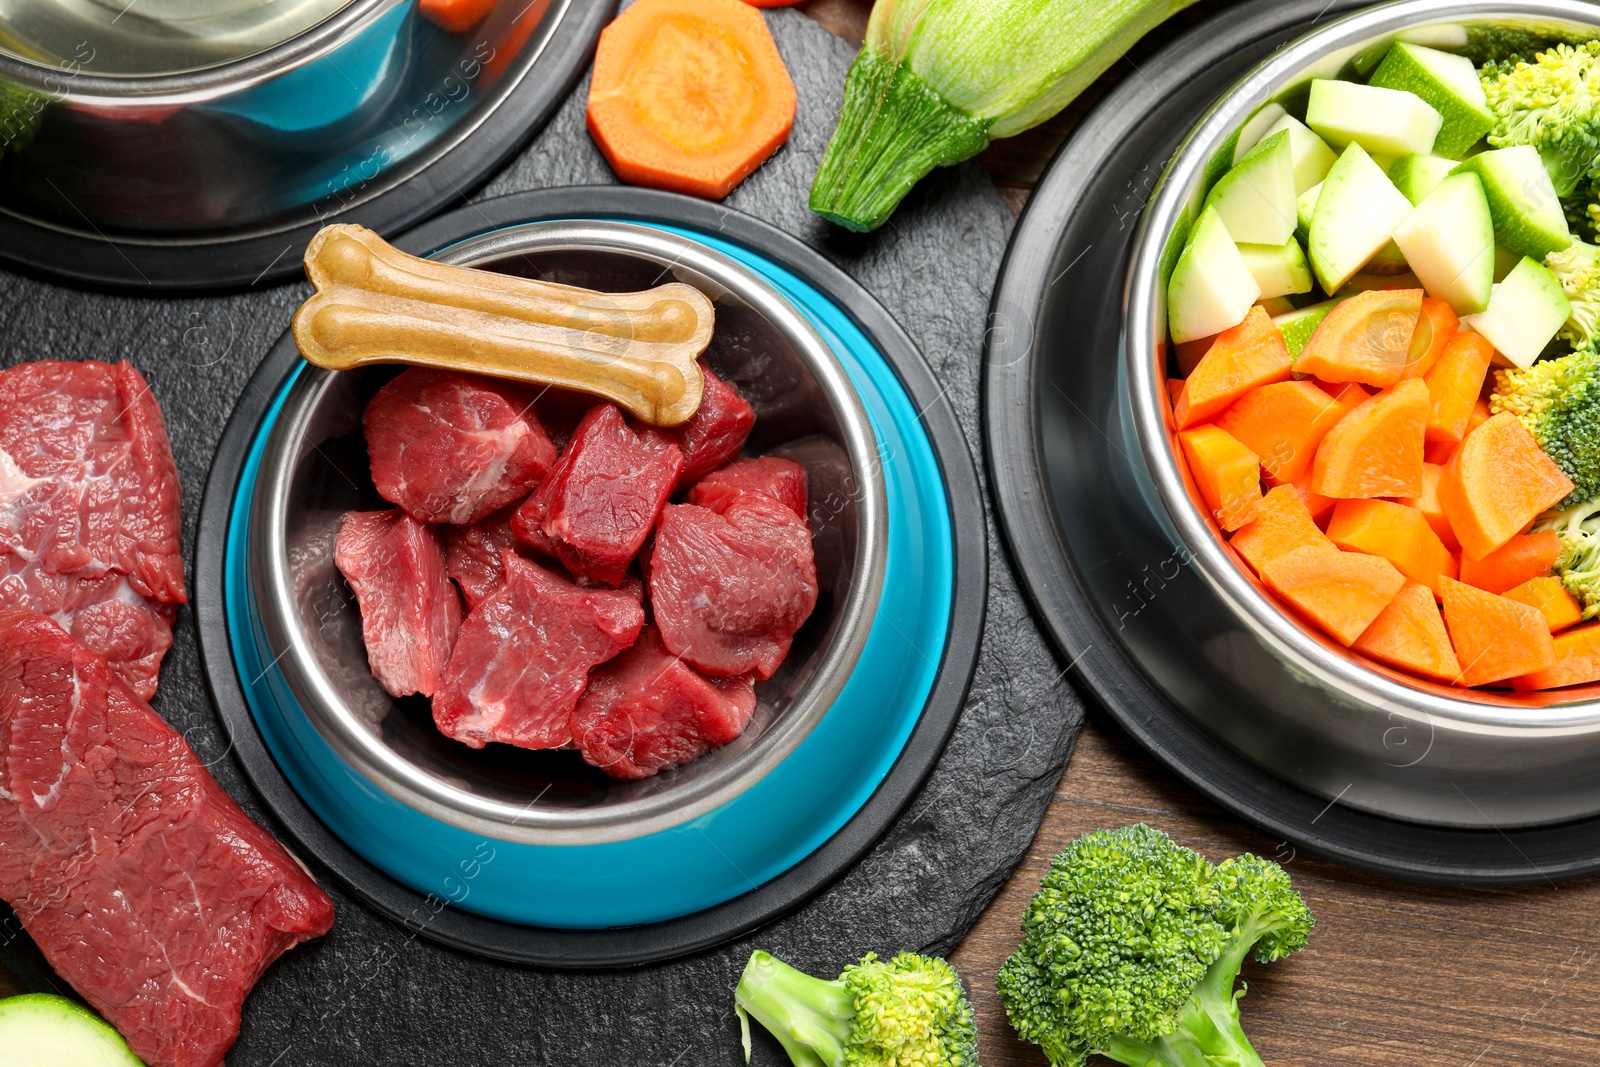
1567 169
1209 1033
893 129
810 1017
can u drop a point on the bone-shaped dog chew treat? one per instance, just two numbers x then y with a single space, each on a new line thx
376 304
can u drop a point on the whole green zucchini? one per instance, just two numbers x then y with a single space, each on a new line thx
937 80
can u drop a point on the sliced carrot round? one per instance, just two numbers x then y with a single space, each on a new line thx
689 97
1342 592
1559 608
1283 423
1240 359
1436 326
1282 524
1454 382
1398 533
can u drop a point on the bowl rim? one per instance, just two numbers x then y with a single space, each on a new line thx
1322 52
67 81
661 809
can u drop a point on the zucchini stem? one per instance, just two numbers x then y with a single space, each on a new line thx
893 129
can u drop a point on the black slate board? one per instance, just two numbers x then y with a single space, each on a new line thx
371 992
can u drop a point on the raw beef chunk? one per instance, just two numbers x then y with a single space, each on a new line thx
602 497
410 613
782 479
631 586
715 432
473 555
524 658
647 710
141 880
560 411
89 519
454 447
729 590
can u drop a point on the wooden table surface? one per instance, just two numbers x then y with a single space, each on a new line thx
1395 974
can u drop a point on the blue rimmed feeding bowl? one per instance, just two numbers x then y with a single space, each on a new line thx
539 839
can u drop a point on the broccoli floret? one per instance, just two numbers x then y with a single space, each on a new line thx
1582 209
1553 104
1497 43
910 1011
1131 947
1577 267
1578 528
1558 400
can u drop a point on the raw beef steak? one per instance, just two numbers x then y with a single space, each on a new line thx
729 590
602 497
782 479
648 710
89 517
524 658
410 613
454 447
715 432
141 880
107 616
473 555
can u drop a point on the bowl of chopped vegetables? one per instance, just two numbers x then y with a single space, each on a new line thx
1360 336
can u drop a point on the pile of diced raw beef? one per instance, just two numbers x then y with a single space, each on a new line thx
593 612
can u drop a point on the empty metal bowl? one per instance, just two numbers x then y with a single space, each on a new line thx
314 468
1289 699
198 142
209 124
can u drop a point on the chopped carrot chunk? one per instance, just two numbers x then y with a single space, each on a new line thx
1227 474
1495 638
1409 634
1342 592
1242 357
1559 607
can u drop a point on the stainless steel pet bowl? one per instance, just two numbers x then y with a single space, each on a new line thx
126 135
314 469
207 158
1290 700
